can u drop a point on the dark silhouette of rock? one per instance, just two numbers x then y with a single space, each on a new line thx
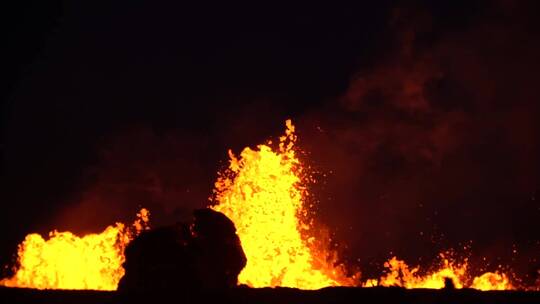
207 256
218 254
449 284
158 259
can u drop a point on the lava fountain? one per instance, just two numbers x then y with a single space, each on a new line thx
67 261
263 193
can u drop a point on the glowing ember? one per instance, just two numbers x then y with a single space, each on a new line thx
399 274
67 261
263 194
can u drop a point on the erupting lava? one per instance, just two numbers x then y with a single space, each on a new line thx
262 192
67 261
399 274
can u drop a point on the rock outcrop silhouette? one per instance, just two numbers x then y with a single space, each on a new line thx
206 255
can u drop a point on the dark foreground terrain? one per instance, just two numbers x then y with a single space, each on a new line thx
274 296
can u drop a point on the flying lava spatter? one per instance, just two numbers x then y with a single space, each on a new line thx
263 193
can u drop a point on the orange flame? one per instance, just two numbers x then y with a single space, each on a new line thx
67 261
263 193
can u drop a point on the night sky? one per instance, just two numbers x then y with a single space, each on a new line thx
423 116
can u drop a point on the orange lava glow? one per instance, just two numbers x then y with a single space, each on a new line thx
400 274
67 261
263 193
492 281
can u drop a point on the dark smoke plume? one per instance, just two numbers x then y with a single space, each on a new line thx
435 146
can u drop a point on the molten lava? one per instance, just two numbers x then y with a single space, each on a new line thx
67 261
263 193
399 274
492 281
